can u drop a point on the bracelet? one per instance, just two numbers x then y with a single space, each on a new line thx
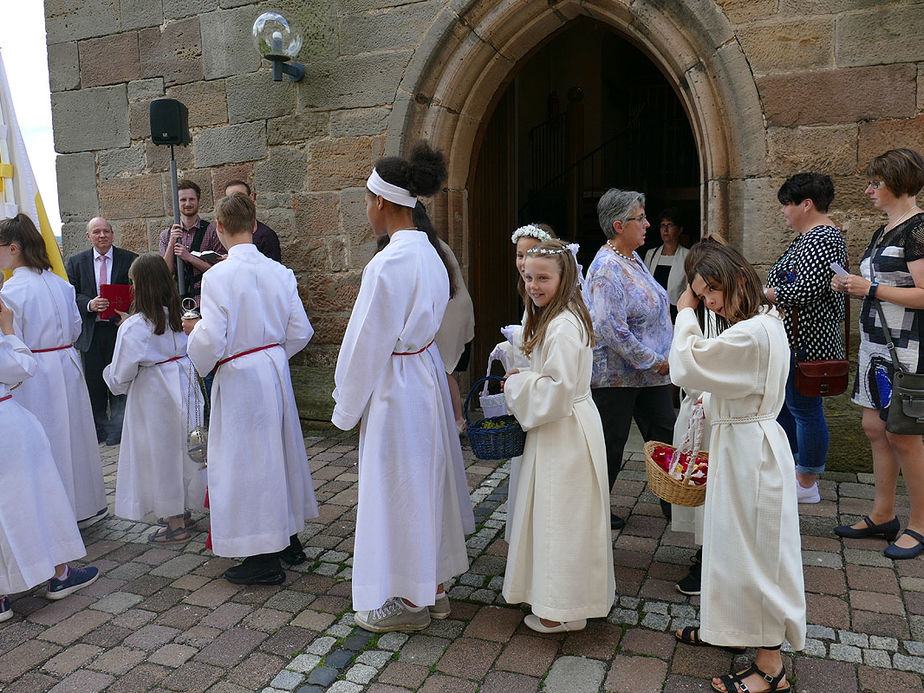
872 289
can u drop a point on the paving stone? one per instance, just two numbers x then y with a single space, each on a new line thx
528 654
817 675
404 674
575 675
647 642
846 653
907 663
492 623
172 655
193 677
133 619
117 602
423 649
323 675
256 670
877 658
889 625
287 680
321 646
304 663
339 658
151 637
84 681
226 615
885 680
469 658
287 641
438 683
635 675
71 659
231 647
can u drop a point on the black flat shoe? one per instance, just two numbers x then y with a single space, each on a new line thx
887 530
293 553
897 552
257 570
616 522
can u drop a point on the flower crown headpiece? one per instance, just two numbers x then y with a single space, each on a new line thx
548 251
530 231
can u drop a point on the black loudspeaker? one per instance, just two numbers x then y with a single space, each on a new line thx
169 122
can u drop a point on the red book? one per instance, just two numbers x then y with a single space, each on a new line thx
120 298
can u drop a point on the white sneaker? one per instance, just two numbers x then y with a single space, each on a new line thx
808 495
392 615
93 519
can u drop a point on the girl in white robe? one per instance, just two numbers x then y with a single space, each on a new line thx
48 322
149 365
560 558
414 509
752 587
253 321
38 532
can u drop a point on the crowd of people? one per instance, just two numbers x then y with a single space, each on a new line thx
590 355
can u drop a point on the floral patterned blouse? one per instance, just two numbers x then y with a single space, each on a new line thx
632 323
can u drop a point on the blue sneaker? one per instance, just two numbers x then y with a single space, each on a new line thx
73 580
6 608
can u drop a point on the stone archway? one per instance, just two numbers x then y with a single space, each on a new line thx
474 47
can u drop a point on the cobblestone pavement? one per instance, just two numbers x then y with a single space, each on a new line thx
162 619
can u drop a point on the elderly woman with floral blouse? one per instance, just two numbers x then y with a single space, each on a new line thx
632 327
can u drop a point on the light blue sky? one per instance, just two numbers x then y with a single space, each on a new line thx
22 40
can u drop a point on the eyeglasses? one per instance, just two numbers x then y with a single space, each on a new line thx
874 184
639 218
668 225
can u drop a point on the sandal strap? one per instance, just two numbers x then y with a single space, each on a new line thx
914 535
690 635
734 683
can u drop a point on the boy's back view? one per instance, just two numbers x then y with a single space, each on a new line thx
253 321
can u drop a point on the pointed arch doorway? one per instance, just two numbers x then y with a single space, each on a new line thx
587 111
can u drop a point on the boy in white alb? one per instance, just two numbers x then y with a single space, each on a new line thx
253 321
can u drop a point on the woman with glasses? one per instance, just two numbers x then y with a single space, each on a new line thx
666 261
892 273
631 318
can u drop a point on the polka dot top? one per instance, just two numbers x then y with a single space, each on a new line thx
802 279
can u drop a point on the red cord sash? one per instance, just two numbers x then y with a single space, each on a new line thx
60 348
175 358
411 353
4 399
244 353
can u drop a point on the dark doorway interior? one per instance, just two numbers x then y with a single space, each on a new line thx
587 112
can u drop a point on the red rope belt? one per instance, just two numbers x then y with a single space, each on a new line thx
175 358
244 353
4 399
60 348
411 353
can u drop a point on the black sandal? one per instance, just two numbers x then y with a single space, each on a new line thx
690 636
734 683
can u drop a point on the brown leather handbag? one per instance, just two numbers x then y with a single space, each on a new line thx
823 378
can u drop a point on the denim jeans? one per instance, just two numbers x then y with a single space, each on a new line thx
803 419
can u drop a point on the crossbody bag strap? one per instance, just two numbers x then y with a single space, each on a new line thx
890 344
896 364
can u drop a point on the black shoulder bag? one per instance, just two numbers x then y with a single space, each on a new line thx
906 408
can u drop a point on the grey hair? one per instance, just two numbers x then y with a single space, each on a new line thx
616 205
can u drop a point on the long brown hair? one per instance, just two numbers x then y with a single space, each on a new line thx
21 231
723 267
154 291
568 296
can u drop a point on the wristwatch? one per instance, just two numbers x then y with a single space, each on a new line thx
872 289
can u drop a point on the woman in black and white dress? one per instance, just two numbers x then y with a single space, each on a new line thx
893 272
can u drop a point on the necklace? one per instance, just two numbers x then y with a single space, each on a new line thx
622 255
906 215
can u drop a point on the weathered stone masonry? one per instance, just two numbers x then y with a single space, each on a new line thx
770 86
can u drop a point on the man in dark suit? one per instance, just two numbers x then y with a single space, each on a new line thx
87 270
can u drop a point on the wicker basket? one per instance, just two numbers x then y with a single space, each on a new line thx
666 487
505 439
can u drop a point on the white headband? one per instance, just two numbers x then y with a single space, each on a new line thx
392 193
530 231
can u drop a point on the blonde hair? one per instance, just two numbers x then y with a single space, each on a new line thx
236 213
568 296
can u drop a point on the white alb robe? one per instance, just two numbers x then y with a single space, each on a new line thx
752 588
37 526
156 475
260 488
560 559
46 317
414 509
